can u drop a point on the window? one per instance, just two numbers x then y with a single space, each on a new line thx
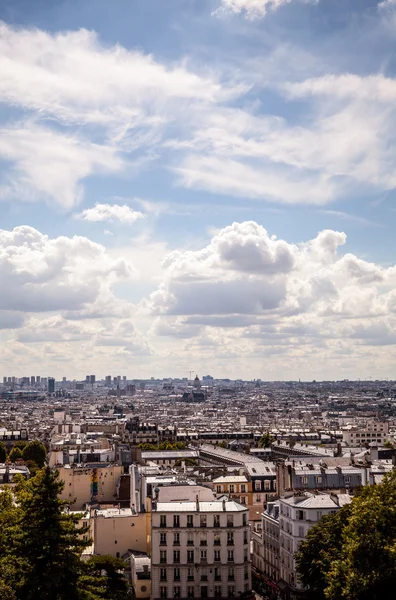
267 485
304 480
190 574
204 591
202 521
318 480
246 575
242 499
217 540
245 556
204 541
300 515
274 485
219 489
176 574
301 532
204 576
204 556
176 591
163 521
347 479
190 591
245 538
230 556
162 539
232 488
190 556
162 556
163 592
230 539
319 514
258 498
231 576
217 591
230 520
190 522
176 520
257 486
163 575
217 574
190 539
244 519
217 555
231 590
176 539
216 521
243 488
176 556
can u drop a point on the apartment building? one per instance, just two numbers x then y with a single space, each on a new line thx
297 515
200 550
374 432
265 560
86 483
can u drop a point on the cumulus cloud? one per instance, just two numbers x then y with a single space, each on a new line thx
254 286
253 9
41 274
111 212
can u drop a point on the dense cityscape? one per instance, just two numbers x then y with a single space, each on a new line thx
221 480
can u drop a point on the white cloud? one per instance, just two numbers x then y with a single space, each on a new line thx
254 286
41 274
111 212
72 76
254 9
48 165
387 4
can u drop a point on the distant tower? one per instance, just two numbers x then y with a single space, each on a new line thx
51 385
197 383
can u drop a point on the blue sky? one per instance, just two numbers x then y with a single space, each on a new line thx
198 184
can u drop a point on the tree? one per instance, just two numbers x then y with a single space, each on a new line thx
36 452
20 444
3 452
388 444
318 550
15 454
108 574
266 440
366 568
352 555
50 541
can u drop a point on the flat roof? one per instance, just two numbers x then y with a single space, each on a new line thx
191 507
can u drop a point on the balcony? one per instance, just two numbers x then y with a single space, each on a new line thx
216 524
217 578
162 543
230 560
190 542
190 524
230 578
217 543
190 577
176 578
230 542
175 543
204 578
203 543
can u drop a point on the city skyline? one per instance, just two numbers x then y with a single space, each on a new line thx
200 184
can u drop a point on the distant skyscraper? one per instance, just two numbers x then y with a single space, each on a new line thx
64 379
87 379
92 378
124 379
108 380
38 378
115 380
4 380
32 380
51 385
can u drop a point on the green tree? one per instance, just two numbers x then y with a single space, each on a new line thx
15 454
20 444
36 452
266 440
352 555
107 573
318 550
366 567
388 444
3 452
51 544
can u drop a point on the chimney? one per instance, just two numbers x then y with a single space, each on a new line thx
224 505
197 502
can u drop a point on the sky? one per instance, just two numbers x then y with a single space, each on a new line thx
200 186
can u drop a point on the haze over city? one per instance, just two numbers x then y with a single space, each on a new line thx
200 185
